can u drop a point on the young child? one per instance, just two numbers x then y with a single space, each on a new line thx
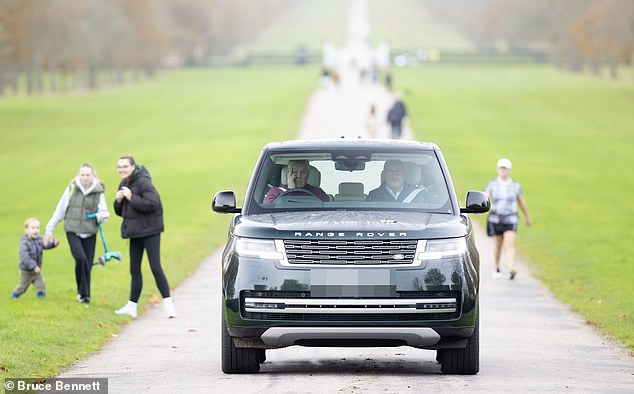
31 246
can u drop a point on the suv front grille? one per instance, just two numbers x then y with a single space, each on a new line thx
357 252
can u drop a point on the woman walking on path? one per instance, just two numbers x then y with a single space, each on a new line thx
83 196
137 201
505 195
372 123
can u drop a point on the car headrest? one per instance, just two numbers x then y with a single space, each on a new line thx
351 188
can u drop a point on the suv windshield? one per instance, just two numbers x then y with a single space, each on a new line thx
350 180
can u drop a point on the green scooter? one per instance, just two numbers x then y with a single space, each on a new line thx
107 256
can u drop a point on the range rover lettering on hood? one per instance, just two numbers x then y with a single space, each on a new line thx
356 234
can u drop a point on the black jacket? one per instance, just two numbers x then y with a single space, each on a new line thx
143 214
396 114
382 194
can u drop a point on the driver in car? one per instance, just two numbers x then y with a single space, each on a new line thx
297 184
393 186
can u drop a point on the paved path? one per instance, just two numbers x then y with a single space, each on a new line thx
530 342
341 110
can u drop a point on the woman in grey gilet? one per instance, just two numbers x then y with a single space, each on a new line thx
83 196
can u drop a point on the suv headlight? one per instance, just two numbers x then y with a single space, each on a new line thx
442 248
259 248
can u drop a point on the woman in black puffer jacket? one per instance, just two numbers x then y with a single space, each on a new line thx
138 203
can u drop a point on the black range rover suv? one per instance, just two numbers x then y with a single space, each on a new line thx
334 263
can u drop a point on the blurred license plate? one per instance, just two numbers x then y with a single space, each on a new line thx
352 283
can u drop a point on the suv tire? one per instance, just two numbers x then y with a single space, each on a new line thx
462 361
238 360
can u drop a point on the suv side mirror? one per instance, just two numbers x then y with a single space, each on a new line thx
477 202
225 202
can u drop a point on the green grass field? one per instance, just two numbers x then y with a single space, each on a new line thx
568 136
197 132
307 24
571 140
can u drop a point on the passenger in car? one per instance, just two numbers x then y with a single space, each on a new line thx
297 178
393 186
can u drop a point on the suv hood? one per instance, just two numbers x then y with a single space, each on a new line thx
351 225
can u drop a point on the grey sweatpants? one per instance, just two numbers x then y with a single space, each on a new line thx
28 277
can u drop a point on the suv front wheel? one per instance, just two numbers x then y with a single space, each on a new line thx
462 361
238 360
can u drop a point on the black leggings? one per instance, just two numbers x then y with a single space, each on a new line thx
152 245
83 250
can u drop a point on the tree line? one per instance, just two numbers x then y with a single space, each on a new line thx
578 34
51 45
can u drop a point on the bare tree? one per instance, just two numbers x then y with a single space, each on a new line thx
578 33
95 41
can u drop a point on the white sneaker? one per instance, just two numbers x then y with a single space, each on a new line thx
129 309
497 274
168 307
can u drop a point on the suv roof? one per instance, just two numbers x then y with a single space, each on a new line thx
347 143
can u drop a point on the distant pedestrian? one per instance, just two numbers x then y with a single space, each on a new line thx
373 74
505 195
372 123
324 79
396 115
30 264
137 201
83 196
388 80
336 78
